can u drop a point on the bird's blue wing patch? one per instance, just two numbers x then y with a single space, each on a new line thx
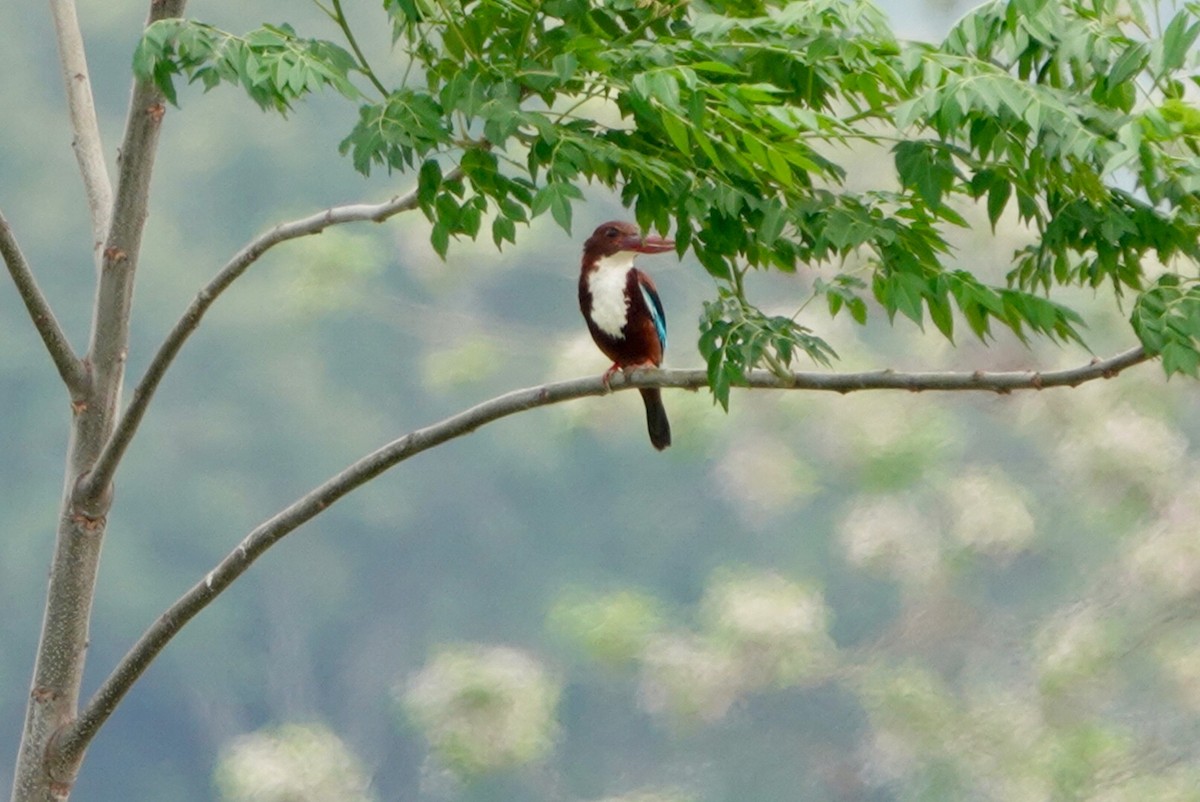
656 312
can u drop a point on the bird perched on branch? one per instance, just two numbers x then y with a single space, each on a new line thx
623 312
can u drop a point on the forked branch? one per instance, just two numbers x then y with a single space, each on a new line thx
70 368
76 737
109 344
127 426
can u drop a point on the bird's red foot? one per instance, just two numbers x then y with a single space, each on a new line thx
625 369
608 374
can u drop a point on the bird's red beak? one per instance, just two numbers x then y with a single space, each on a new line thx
655 244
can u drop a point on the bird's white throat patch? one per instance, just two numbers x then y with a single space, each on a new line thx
610 307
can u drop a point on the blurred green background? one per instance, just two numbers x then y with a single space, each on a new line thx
876 596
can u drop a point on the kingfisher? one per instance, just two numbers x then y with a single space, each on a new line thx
623 311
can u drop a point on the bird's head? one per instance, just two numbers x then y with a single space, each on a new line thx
616 237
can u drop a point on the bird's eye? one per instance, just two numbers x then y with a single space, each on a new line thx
611 232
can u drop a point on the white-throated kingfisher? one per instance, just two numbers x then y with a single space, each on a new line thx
623 312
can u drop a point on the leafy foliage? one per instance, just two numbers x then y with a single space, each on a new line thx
272 64
735 337
736 126
1167 320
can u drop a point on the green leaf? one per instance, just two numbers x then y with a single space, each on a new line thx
560 210
940 312
1166 318
858 310
773 221
406 126
556 198
503 229
927 168
736 337
429 181
901 292
439 238
677 132
1178 39
272 64
713 345
998 195
1129 64
564 65
1178 357
715 67
779 167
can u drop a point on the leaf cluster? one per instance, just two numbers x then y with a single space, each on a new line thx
1166 318
736 336
1075 110
272 64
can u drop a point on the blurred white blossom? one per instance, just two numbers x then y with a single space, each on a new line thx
900 423
762 478
612 628
1001 728
775 628
890 535
576 356
911 703
688 678
1166 558
1173 785
291 763
464 363
1124 449
1181 660
333 274
887 757
922 724
1074 645
988 513
483 708
651 796
887 438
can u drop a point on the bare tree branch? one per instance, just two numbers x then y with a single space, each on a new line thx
1001 382
106 465
70 368
76 737
89 150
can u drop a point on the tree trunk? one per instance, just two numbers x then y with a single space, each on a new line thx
44 773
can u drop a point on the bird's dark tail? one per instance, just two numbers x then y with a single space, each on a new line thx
656 418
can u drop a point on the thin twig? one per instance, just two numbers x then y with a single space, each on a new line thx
154 639
339 17
89 150
107 462
70 368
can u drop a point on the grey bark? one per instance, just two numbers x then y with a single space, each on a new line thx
43 772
